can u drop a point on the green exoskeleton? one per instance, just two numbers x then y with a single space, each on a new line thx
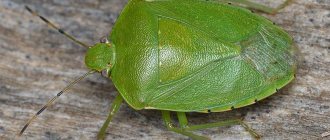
190 56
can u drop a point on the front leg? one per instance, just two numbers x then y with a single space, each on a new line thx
113 110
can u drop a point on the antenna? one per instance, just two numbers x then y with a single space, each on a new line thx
55 27
53 99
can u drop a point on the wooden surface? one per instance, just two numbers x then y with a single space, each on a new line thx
36 62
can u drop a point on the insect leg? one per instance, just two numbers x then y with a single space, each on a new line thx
167 120
224 123
113 110
256 6
182 119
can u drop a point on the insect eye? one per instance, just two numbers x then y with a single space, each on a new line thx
104 73
104 39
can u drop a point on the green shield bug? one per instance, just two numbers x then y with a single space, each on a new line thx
190 56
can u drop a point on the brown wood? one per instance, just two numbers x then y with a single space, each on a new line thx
36 62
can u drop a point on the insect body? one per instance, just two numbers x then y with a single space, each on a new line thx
192 56
197 56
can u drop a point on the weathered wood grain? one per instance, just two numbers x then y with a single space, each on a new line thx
36 62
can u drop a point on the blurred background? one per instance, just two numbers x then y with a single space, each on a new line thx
36 62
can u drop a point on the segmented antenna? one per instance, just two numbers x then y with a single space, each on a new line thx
52 100
55 27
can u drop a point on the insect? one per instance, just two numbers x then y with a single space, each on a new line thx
190 56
